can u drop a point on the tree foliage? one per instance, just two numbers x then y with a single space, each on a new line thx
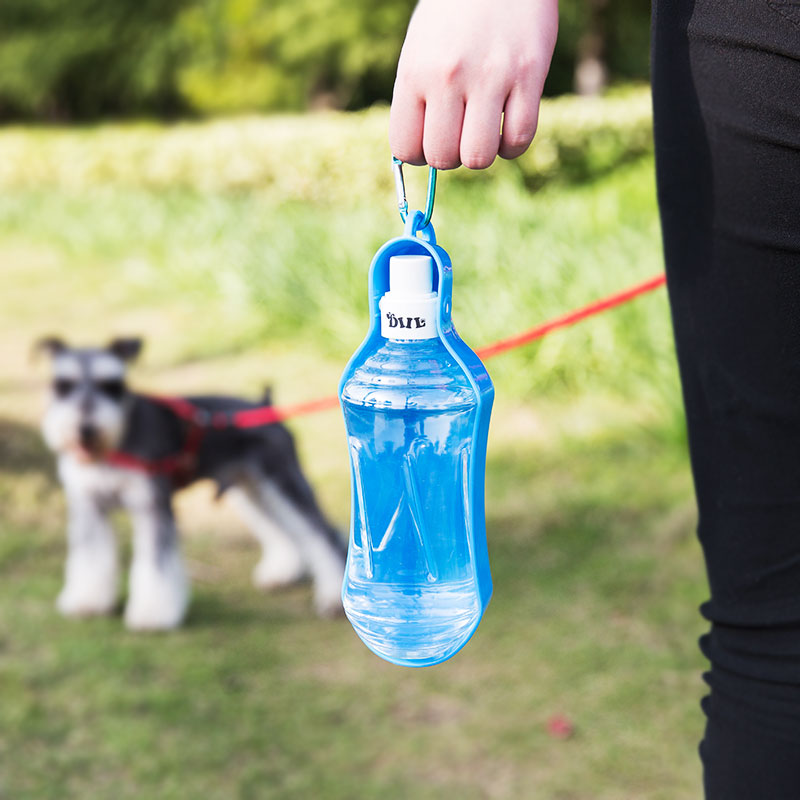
86 59
289 54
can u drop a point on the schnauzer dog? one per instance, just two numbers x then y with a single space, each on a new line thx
119 449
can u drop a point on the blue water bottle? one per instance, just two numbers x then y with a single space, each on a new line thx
416 403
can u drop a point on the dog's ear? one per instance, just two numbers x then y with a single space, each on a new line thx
126 348
49 345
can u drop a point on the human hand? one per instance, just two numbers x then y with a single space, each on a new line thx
465 65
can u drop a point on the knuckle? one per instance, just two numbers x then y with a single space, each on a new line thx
498 64
408 78
447 71
526 63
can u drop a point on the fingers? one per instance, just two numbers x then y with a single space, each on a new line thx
406 123
426 130
445 132
429 132
480 133
464 67
441 135
520 118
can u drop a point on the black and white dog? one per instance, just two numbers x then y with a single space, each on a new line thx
118 449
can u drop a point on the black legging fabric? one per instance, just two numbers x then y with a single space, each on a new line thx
726 89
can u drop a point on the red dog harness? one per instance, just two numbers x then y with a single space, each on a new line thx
180 467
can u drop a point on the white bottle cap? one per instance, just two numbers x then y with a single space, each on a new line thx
411 274
408 309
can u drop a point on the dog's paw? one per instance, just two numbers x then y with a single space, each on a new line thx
86 601
154 615
144 621
158 598
91 584
274 572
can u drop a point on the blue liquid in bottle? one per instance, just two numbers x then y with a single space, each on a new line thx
411 591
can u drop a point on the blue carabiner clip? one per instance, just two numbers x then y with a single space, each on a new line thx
402 202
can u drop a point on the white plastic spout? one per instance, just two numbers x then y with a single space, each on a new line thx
411 275
408 309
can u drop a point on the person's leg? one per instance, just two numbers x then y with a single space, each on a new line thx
750 750
726 88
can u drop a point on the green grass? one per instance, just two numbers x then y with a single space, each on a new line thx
594 615
240 269
590 515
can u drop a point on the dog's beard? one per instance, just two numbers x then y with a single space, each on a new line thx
88 455
61 426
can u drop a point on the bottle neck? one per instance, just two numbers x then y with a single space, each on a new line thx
408 318
417 344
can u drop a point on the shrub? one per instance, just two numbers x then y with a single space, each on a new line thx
322 157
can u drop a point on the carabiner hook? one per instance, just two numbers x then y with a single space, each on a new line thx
402 201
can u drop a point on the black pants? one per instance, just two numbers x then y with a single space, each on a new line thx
726 86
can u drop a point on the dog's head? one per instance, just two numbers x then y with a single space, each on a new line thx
88 398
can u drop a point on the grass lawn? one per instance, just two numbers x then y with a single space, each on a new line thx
590 513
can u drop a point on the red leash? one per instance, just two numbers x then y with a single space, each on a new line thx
258 416
253 417
180 467
572 317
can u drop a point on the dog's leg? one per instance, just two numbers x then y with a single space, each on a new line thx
324 559
281 562
158 589
91 574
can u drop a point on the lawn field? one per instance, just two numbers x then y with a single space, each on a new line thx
590 512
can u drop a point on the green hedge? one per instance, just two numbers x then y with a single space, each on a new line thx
580 138
319 157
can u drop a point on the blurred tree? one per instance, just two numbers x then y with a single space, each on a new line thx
600 41
628 39
591 69
291 54
90 58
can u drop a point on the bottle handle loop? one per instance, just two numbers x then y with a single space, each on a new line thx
417 228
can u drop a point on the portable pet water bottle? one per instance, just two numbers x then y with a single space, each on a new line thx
416 403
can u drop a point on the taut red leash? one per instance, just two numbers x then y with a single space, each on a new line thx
180 466
572 317
253 417
259 416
